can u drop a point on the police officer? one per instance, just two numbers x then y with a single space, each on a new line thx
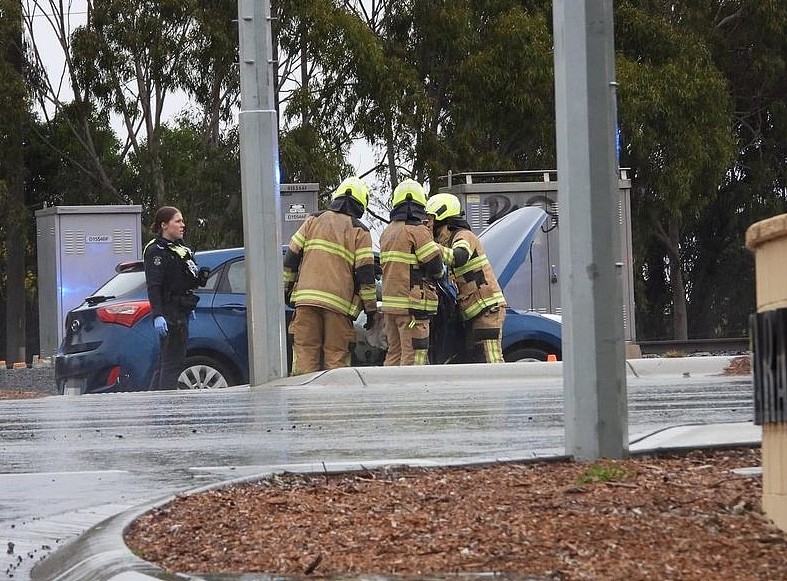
329 277
480 299
171 276
411 262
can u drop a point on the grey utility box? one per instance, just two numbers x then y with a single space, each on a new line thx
297 202
78 249
487 196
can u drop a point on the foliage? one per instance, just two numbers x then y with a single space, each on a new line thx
605 471
431 86
14 102
204 182
675 115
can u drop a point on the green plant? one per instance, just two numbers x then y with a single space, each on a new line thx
602 472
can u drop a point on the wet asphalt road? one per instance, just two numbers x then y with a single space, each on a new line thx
71 461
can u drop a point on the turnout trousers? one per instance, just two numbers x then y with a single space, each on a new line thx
322 339
408 340
485 335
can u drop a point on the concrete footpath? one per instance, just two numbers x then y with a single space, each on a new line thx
100 554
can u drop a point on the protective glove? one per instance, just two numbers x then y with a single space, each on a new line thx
370 320
288 296
193 315
161 326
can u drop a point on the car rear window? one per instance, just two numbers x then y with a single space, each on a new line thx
122 284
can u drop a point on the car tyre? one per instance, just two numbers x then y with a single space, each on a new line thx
526 354
202 372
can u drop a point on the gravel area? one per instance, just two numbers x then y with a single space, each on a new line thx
687 516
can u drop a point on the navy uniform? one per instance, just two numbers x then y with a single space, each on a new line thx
171 275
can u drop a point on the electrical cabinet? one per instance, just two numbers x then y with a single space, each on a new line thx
487 196
78 249
297 202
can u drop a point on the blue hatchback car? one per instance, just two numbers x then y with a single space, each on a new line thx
110 343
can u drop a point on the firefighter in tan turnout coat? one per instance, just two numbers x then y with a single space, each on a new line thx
329 278
411 262
480 299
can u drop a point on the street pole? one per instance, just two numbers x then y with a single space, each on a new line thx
595 407
259 162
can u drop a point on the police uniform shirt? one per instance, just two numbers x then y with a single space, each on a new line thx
170 273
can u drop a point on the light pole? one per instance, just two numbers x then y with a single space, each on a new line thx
259 162
594 375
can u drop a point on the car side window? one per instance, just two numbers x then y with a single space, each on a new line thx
236 277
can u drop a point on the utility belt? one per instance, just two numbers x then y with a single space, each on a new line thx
185 301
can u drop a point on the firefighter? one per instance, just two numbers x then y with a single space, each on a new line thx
411 262
329 279
480 299
171 276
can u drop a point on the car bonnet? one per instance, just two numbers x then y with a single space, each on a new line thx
507 241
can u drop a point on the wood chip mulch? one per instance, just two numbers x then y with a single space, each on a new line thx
675 516
22 394
740 365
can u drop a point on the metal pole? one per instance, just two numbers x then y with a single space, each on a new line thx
259 162
596 421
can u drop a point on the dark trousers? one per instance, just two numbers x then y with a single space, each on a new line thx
172 354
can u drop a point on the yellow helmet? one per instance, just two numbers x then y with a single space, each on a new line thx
443 206
409 190
355 188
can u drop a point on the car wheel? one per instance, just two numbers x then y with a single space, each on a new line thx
526 354
203 372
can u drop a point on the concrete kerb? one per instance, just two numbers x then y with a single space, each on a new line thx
683 366
483 373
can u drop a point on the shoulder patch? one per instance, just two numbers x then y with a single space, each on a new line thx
156 261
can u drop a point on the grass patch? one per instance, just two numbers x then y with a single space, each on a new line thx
602 472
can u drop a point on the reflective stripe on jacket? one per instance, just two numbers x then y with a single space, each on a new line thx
411 260
474 277
331 264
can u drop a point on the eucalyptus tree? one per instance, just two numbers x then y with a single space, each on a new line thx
14 103
321 48
676 120
132 63
749 45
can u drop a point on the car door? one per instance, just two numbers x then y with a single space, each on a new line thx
229 308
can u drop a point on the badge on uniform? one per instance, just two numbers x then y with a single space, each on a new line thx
156 261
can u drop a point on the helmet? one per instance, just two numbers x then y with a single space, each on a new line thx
354 188
409 190
443 206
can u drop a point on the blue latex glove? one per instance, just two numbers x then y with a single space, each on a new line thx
161 326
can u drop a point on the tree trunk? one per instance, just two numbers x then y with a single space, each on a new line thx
15 271
12 168
679 319
391 155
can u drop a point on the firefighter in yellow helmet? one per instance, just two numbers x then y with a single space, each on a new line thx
480 299
329 278
411 262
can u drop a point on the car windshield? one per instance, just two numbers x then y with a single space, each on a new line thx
122 284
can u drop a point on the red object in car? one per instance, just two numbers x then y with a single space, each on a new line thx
126 314
113 376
